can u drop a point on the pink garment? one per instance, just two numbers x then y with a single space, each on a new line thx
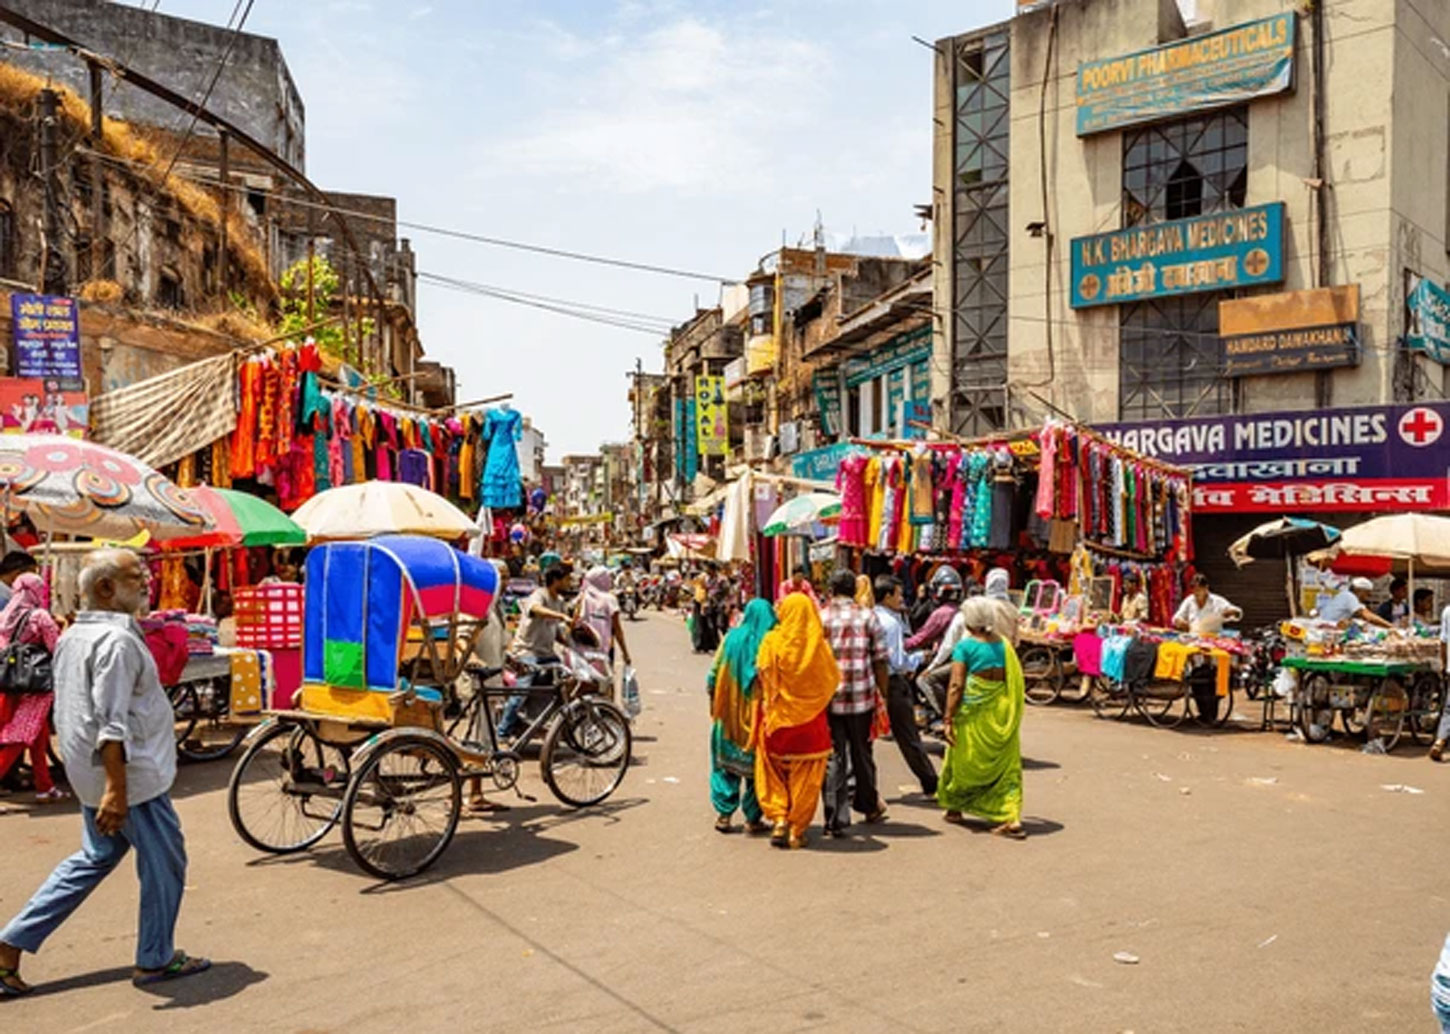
959 496
337 442
1047 474
1088 649
29 719
168 649
28 613
851 483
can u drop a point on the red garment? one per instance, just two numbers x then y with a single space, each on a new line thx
267 416
850 482
814 737
244 438
287 382
39 761
168 649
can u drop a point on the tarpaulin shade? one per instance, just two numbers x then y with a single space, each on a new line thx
163 418
362 595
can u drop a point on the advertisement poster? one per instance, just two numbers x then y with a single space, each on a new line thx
1366 458
1204 72
711 418
47 338
32 406
1429 306
1291 332
1244 248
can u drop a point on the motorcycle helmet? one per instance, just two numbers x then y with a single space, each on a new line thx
945 583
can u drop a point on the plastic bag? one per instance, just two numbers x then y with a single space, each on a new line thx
629 692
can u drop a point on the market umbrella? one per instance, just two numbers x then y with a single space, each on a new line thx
1281 538
381 508
800 513
241 520
74 487
1420 540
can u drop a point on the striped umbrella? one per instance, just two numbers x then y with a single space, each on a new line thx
800 513
241 520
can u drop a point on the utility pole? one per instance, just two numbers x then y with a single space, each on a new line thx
53 271
98 172
223 202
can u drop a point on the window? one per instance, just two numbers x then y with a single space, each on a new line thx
168 290
7 241
980 235
1170 358
84 269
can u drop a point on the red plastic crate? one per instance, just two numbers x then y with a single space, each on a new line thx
269 617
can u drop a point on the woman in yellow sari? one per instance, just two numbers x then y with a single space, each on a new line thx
982 771
797 676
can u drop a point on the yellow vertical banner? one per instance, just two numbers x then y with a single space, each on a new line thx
712 430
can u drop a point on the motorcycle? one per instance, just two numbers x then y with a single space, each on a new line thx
629 604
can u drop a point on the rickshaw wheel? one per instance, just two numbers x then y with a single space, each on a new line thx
1426 701
402 808
586 752
1210 709
206 732
1163 712
286 792
1041 674
1353 720
1384 720
1109 699
1315 715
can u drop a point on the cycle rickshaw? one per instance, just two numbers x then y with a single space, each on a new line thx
389 626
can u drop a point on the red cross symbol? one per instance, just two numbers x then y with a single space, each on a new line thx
1421 426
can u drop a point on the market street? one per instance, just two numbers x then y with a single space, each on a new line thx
1263 885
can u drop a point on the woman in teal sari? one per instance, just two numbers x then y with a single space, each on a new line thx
982 773
732 690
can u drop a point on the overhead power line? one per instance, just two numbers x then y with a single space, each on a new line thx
562 309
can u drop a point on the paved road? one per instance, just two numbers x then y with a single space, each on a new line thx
1263 886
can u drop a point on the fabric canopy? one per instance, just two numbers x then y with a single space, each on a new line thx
241 520
379 508
1421 540
362 595
163 418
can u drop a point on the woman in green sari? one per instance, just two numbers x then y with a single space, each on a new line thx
982 773
732 688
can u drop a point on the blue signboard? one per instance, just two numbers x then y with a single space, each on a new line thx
47 338
1369 458
903 350
1243 248
1429 306
687 461
1195 74
820 464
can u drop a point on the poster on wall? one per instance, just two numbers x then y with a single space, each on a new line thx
1243 248
34 406
1200 73
1364 458
1429 306
711 420
47 331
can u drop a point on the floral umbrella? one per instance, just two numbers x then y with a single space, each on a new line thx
802 512
75 487
241 520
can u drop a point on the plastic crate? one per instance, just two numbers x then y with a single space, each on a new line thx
269 617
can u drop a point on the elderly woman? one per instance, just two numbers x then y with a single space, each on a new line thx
599 609
25 718
995 591
732 684
790 735
982 771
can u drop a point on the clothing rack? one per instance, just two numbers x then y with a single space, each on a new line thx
1126 554
1090 434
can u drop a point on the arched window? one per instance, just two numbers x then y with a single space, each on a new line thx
168 289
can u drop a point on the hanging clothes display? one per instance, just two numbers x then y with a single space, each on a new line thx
502 487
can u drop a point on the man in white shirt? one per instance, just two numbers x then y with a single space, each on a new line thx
1202 612
116 735
1351 602
900 666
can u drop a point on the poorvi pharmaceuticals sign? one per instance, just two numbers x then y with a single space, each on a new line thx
1197 74
1243 248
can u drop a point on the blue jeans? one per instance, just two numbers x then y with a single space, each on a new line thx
509 723
154 830
1440 989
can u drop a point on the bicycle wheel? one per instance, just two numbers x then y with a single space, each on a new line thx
184 707
286 791
1041 674
1315 715
1210 709
212 734
1427 697
402 808
1160 704
586 752
1109 699
1384 719
1353 720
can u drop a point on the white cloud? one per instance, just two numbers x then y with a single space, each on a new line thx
419 12
692 107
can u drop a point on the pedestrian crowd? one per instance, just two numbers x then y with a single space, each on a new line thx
801 690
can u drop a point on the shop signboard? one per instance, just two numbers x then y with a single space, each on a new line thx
828 397
904 350
47 331
1290 332
31 405
1365 458
1227 250
1200 73
711 415
1429 306
820 464
687 461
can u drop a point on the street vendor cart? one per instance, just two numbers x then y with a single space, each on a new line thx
1380 699
380 740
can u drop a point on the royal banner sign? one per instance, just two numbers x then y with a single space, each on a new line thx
1244 248
1369 458
1290 332
1196 74
711 420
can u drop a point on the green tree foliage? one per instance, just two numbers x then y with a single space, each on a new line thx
326 301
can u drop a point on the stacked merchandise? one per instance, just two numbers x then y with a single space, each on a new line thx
1141 654
1362 643
299 436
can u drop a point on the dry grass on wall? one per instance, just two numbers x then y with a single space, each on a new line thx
19 90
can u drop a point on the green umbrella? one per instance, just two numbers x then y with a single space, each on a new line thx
798 514
241 519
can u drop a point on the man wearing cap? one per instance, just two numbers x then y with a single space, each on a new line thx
1351 603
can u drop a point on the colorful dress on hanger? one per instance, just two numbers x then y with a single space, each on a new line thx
875 484
851 483
501 480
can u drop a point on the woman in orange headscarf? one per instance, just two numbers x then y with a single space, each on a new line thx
797 676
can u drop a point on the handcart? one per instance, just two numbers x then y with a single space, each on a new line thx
1379 699
380 740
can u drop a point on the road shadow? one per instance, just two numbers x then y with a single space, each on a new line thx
1038 764
224 980
95 978
854 842
1035 827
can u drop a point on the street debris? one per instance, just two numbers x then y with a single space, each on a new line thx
1185 790
1271 940
1263 780
1127 958
1400 788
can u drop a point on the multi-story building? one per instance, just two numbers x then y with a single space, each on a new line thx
1225 241
531 453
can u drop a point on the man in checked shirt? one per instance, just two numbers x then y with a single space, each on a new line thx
859 644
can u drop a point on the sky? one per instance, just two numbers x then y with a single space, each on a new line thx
693 135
